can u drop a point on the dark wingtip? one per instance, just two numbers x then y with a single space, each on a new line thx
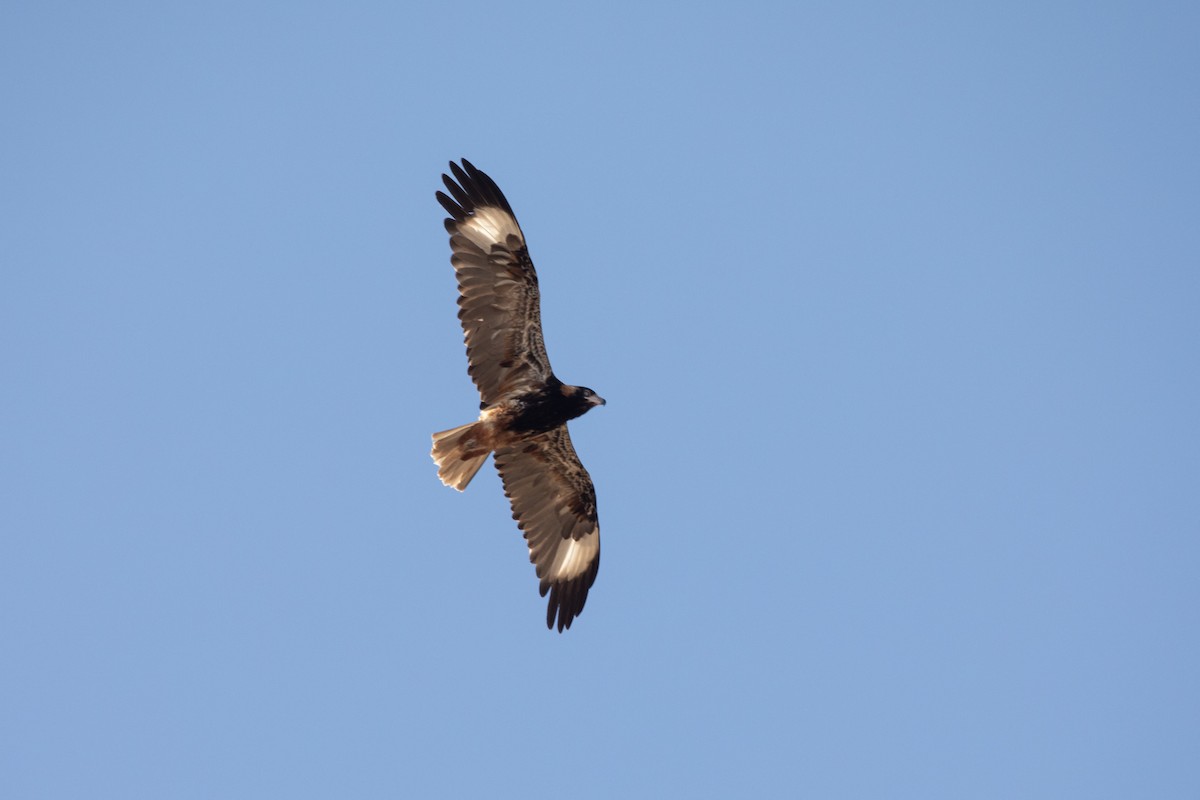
472 188
452 208
568 599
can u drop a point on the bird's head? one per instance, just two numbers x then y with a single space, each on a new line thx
581 399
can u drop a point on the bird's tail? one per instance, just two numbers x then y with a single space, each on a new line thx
459 455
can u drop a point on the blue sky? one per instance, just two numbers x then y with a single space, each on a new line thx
895 310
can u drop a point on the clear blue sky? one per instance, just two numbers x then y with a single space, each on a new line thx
897 312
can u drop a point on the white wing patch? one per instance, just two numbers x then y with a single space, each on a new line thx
487 226
572 557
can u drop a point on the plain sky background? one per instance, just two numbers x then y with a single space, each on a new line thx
896 308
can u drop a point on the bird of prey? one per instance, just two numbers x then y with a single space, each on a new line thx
524 407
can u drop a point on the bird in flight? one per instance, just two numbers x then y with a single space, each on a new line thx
524 407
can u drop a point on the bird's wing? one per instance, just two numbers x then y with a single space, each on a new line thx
554 503
497 286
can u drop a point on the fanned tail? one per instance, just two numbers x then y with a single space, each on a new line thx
458 455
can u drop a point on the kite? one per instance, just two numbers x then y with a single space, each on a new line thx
524 407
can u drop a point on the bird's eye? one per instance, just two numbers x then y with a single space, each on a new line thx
588 392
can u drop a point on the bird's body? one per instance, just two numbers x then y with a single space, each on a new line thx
524 406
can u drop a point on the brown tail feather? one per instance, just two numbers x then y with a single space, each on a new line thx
458 455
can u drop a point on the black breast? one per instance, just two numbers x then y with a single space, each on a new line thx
546 409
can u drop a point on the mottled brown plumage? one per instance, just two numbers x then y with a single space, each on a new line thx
524 407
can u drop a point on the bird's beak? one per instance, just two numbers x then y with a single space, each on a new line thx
597 400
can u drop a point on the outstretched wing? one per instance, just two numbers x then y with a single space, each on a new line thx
554 503
497 286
